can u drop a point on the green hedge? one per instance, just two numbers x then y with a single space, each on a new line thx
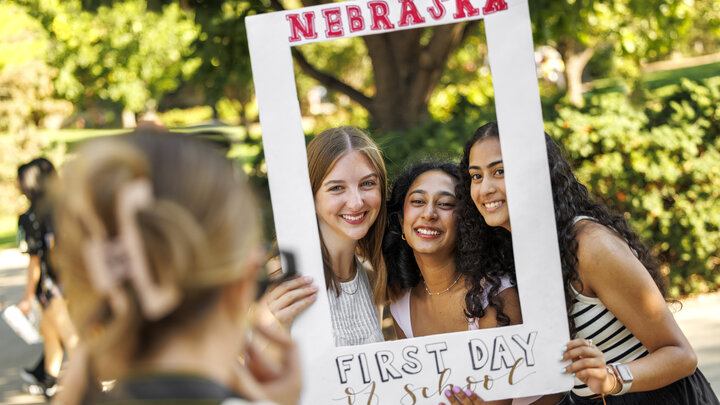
659 164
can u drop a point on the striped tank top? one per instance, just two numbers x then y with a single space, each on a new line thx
594 321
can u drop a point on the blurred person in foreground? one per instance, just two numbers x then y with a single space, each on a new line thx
158 243
36 238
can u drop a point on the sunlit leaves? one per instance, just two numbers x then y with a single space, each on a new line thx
123 53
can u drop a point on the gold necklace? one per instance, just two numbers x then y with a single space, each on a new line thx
443 291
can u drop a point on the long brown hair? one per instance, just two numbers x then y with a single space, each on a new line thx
323 152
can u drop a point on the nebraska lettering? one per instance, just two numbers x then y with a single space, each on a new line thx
334 21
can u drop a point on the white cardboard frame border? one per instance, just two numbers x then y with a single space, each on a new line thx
537 260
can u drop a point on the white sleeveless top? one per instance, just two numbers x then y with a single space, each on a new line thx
354 316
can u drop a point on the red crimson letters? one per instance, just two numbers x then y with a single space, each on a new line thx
304 25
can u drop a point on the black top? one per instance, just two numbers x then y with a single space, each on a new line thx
35 236
155 388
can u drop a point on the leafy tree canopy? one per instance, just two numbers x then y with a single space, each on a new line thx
125 52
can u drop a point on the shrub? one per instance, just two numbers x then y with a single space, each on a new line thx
659 165
26 98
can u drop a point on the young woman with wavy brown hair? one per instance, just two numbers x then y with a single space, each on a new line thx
349 183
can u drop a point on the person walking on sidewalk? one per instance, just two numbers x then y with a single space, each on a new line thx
36 237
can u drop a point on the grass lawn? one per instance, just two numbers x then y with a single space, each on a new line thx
73 137
658 79
665 77
8 229
70 136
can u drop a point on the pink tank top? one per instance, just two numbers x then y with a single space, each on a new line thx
400 309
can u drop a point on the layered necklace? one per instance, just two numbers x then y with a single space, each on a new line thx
443 291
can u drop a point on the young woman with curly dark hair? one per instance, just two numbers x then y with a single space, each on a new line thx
613 288
422 260
427 289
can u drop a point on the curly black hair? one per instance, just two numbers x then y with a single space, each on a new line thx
403 270
493 246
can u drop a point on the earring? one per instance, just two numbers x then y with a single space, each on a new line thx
402 236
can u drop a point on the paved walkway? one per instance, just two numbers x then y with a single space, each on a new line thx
14 353
699 319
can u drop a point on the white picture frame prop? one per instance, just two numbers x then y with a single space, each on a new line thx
513 361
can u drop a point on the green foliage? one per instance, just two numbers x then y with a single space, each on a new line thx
659 165
435 140
26 89
627 33
347 59
466 83
22 38
26 99
222 49
182 117
124 53
8 232
689 27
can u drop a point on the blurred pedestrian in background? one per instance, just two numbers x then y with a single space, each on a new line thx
36 237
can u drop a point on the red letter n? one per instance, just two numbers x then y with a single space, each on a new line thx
333 23
492 6
465 6
297 28
379 12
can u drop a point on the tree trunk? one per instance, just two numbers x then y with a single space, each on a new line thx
576 58
405 71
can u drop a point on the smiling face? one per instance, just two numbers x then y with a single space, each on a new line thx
349 198
487 188
429 222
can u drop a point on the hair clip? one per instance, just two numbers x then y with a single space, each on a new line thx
110 262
